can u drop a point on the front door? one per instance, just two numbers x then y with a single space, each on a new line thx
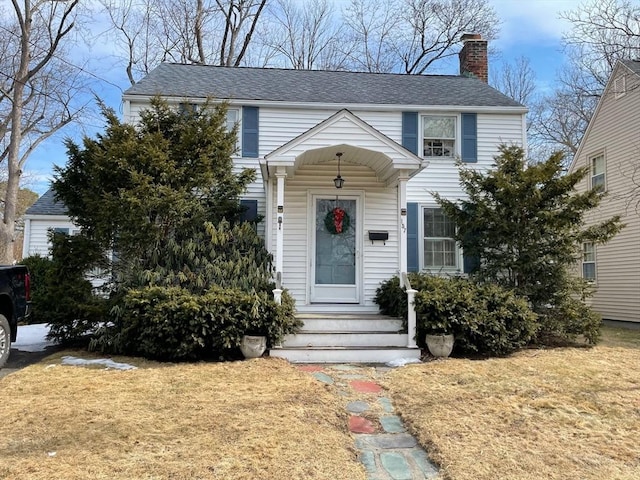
335 256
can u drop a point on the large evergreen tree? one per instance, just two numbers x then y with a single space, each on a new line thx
525 223
134 188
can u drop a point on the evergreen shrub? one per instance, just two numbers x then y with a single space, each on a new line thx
39 268
72 310
486 319
171 323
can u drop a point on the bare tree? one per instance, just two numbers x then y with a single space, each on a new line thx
410 36
130 23
303 37
186 31
371 25
516 80
602 32
37 91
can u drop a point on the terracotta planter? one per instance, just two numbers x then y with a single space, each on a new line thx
253 346
440 345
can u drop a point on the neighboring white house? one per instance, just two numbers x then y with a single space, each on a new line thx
610 150
44 215
393 139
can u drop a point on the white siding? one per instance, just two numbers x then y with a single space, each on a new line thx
442 174
380 261
279 126
37 242
255 191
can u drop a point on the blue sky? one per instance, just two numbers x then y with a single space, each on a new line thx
530 28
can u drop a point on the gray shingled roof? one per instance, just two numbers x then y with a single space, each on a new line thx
634 65
317 86
47 205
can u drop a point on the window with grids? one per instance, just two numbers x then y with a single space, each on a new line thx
439 135
440 251
589 261
598 173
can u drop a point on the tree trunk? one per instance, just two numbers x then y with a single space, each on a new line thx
8 226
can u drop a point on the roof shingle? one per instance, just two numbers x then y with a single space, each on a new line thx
317 86
47 205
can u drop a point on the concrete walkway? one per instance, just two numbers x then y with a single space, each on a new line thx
386 449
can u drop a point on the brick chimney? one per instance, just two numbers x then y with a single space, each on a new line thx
473 57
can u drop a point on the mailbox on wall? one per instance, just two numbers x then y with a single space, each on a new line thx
379 235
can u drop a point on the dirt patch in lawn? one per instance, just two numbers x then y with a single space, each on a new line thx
570 413
259 419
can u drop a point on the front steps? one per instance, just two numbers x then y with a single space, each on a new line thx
346 338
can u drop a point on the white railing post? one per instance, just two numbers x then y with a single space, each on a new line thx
277 296
411 319
411 310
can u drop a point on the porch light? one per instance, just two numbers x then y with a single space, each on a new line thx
338 181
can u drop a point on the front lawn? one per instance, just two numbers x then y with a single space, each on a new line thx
261 419
570 413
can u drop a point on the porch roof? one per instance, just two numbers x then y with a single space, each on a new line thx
359 142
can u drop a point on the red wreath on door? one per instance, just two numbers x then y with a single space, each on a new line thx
337 221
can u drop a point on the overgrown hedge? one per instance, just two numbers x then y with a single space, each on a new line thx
486 319
39 267
170 323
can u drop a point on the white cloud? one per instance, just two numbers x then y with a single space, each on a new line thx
533 21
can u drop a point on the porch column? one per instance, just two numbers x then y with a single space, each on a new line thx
402 244
280 176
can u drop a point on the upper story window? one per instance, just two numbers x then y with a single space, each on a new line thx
597 171
589 261
233 117
440 248
439 135
620 86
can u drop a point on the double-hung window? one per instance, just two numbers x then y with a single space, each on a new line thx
598 176
439 136
232 118
589 261
440 249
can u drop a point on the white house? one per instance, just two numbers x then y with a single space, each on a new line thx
387 141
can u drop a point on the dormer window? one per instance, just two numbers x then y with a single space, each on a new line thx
439 136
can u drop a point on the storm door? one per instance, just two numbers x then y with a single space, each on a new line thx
335 244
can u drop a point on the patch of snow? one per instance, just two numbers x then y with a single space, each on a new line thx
32 338
68 360
401 362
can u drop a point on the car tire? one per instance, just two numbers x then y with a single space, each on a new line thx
5 340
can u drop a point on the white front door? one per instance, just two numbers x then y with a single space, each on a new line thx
335 263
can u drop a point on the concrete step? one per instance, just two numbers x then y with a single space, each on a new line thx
321 338
344 355
349 323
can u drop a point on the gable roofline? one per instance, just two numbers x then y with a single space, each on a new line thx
316 86
47 205
234 102
333 119
390 160
620 64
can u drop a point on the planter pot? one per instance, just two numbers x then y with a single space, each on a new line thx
440 345
253 346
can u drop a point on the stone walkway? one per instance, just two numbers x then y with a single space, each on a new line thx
386 449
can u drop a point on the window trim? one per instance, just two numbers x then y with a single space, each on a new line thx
457 141
592 176
593 262
619 81
238 110
458 268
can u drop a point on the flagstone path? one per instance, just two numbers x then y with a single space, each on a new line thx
386 449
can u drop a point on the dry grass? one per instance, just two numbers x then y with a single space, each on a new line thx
571 413
260 419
